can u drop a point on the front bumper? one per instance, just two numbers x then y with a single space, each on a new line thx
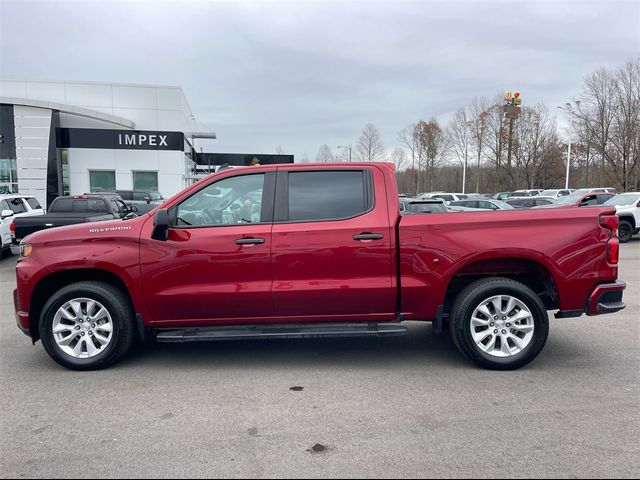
606 298
22 318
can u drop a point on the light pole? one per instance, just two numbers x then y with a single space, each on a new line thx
346 146
566 181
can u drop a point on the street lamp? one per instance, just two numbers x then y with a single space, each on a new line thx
346 146
566 181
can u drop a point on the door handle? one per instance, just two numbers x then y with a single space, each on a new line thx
249 241
368 236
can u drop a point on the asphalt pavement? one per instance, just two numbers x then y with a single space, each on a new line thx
397 407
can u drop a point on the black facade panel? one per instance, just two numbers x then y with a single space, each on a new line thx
7 132
53 161
119 139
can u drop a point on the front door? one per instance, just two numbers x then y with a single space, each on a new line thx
215 266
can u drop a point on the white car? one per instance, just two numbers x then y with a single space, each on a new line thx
628 210
555 193
444 196
12 206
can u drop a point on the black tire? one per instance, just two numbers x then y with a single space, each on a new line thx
118 306
472 296
625 231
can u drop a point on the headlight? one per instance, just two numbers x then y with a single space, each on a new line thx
25 250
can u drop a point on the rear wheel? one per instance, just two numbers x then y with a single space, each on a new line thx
87 326
499 323
625 231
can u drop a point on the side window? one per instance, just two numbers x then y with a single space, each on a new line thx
328 195
603 198
4 205
590 200
487 205
230 201
33 203
126 194
17 205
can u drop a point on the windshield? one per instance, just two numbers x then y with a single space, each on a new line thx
549 193
569 199
623 199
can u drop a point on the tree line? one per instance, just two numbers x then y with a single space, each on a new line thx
480 149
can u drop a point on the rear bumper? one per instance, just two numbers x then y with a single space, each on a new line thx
606 298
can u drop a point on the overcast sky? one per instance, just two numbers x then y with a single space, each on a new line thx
300 74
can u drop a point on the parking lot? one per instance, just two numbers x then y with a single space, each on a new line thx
401 407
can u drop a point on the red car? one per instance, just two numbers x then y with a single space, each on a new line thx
313 250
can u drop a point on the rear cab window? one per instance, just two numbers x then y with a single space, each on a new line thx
16 205
325 195
33 203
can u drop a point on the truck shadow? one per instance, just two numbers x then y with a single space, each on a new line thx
419 346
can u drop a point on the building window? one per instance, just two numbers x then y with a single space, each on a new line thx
102 181
8 175
146 181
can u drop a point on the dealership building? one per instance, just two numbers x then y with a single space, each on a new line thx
58 138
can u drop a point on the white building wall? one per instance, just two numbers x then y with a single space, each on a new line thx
32 127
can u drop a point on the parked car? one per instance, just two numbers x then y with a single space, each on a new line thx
503 195
628 211
529 202
527 193
14 206
484 204
69 211
579 200
145 201
556 193
446 197
329 256
410 206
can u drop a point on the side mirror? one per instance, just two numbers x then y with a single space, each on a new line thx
7 214
147 199
161 225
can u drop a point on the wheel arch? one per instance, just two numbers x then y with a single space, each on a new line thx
49 284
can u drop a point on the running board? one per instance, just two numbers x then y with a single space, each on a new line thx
204 334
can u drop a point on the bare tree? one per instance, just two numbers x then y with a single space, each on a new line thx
279 150
324 154
459 136
369 147
432 143
305 158
399 159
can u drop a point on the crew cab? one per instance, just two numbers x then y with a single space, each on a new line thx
71 210
313 250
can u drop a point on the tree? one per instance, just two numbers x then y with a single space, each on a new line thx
399 159
408 137
324 154
369 147
459 136
432 143
279 150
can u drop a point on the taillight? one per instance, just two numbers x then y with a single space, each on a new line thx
12 228
610 222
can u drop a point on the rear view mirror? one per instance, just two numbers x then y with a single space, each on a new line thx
7 214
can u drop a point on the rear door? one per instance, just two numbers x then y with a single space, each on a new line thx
332 246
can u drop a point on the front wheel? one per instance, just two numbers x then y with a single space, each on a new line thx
625 231
87 326
499 323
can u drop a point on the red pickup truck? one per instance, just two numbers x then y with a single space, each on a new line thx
311 251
